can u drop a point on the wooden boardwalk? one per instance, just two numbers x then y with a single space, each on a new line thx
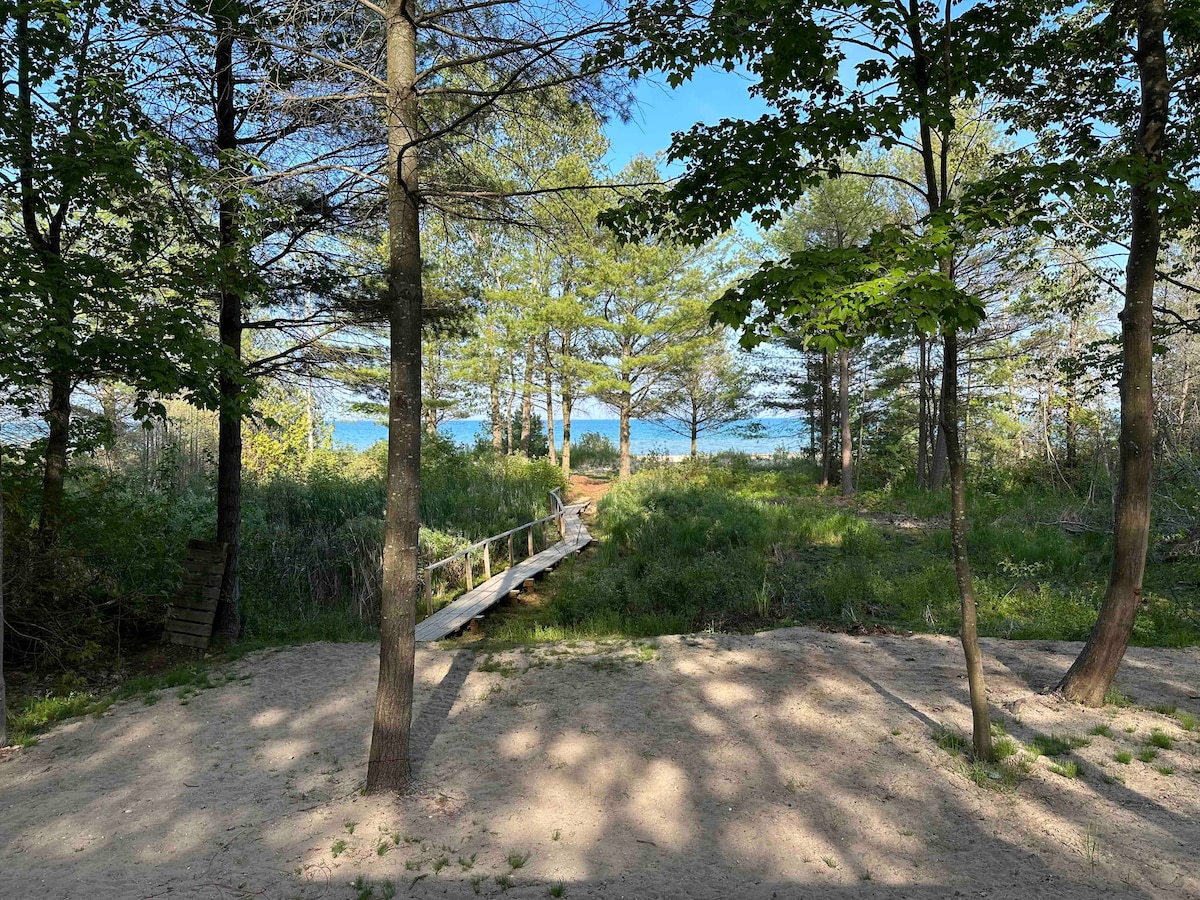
460 612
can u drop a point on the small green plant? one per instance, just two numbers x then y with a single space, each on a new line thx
1102 731
829 861
363 890
349 826
1124 757
440 863
504 881
1115 697
387 890
1166 770
1067 768
1130 729
1161 740
1165 709
1056 745
413 865
896 732
476 883
517 858
383 848
1091 846
556 835
1187 721
1148 755
338 848
467 862
1003 747
558 889
952 741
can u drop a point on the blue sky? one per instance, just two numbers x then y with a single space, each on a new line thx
661 111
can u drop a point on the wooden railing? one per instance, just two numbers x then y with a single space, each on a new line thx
556 515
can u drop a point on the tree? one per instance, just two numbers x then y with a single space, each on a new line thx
91 264
1131 69
706 390
452 70
837 213
913 68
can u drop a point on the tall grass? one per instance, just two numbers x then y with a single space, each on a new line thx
721 547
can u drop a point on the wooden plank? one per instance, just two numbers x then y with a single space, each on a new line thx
203 616
202 629
470 605
188 640
199 604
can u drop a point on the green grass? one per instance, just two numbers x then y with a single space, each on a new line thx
1056 745
338 848
1148 755
1102 731
1161 740
30 716
706 546
1187 720
1124 757
1068 768
517 858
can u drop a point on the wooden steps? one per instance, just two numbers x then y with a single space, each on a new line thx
463 610
190 618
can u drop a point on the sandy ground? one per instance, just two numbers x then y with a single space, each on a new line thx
792 764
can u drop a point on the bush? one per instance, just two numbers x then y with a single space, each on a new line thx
594 451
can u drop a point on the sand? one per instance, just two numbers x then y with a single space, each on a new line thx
791 764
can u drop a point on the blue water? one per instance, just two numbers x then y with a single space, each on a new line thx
644 437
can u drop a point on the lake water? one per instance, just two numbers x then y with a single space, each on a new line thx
644 437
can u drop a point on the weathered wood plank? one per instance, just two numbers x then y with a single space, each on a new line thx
472 604
200 629
204 616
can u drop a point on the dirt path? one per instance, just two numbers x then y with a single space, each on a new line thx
791 764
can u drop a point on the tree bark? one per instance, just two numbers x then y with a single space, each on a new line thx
3 696
550 408
981 730
922 415
937 474
567 403
1092 673
826 418
844 414
388 767
497 420
58 418
527 400
626 462
229 428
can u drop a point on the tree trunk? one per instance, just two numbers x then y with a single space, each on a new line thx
58 418
511 444
567 403
981 730
922 415
937 474
497 420
229 428
826 418
844 414
1090 676
626 462
527 400
550 409
388 767
1071 414
3 697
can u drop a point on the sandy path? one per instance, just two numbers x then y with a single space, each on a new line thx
746 767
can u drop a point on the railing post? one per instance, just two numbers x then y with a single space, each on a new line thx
529 531
487 561
429 590
511 561
470 580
